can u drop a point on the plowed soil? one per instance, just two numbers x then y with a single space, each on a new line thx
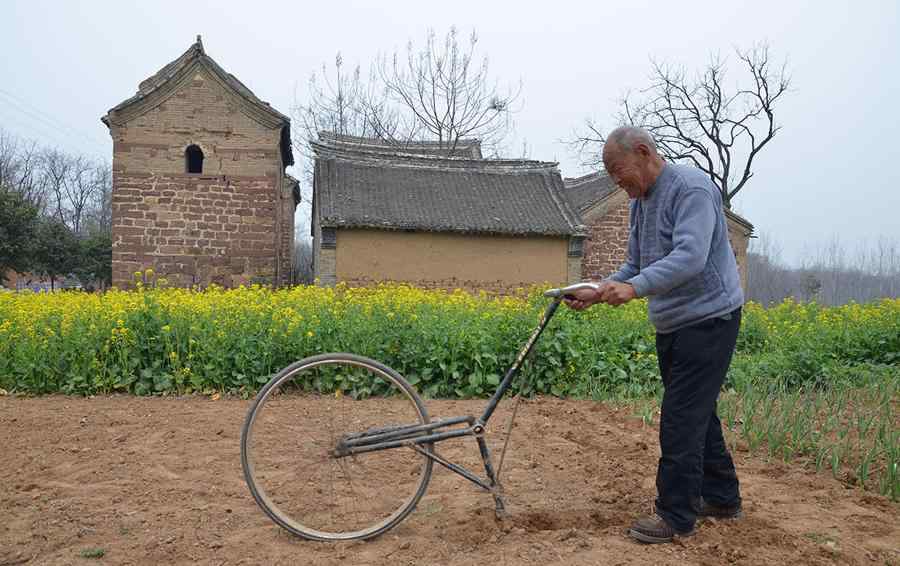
158 481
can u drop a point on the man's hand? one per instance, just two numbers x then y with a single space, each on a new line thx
616 294
584 298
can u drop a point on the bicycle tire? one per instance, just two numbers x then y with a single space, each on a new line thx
389 378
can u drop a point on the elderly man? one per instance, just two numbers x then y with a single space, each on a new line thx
679 256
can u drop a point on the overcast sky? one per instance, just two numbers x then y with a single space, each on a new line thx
831 172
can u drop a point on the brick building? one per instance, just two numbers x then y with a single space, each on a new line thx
604 210
200 192
439 218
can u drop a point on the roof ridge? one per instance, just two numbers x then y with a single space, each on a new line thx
589 177
429 161
362 140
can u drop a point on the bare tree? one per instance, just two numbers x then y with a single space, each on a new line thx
20 169
72 193
338 102
79 188
767 278
440 92
55 170
303 271
444 93
9 158
99 208
68 187
700 120
826 274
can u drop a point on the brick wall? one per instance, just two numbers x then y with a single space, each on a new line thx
193 229
606 246
230 224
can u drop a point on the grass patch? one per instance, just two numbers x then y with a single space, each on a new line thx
93 553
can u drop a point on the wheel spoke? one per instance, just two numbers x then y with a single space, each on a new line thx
362 495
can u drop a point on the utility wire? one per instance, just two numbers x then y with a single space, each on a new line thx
32 129
24 107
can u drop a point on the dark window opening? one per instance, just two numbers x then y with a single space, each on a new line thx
193 157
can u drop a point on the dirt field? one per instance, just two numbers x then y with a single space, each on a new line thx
158 481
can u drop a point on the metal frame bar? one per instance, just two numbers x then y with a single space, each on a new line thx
375 436
512 371
415 436
453 467
343 450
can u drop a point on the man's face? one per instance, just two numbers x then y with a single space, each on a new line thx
625 168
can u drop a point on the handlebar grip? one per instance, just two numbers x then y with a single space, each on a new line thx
566 292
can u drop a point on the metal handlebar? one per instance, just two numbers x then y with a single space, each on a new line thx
565 291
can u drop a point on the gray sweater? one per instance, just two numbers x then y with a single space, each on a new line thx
678 251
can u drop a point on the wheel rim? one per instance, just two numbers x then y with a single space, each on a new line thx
299 485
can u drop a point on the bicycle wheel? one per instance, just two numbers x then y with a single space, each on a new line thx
294 425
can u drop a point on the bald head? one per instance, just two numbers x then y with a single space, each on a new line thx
630 158
628 138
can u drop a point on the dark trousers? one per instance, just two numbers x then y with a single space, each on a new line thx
695 463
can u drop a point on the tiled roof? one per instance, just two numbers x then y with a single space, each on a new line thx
585 191
404 191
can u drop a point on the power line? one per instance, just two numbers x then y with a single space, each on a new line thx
49 117
36 113
28 127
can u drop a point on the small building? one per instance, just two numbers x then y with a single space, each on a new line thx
604 209
439 217
200 192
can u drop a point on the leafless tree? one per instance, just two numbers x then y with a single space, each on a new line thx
70 187
826 274
700 120
765 271
80 188
55 169
440 92
20 169
98 210
303 271
444 93
338 102
9 159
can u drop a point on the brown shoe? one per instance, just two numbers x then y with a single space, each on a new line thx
720 511
653 530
